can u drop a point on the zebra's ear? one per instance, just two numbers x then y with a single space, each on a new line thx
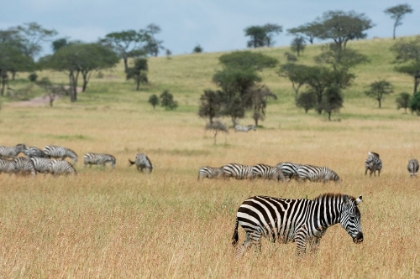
358 200
345 199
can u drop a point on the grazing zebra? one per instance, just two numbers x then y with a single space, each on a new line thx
24 166
209 172
373 163
239 128
33 151
237 171
99 159
267 172
316 174
41 165
413 167
60 152
11 152
289 169
302 221
57 167
142 162
7 166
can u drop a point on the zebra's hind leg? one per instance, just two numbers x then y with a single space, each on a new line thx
252 239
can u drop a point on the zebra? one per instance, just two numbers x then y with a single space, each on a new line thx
7 166
238 171
99 159
33 151
316 174
24 166
11 152
373 163
41 165
413 167
296 220
142 162
289 169
57 167
60 152
239 128
209 172
267 172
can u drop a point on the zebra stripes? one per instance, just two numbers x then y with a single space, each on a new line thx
373 163
24 166
413 167
7 166
142 162
209 172
11 152
60 152
33 151
239 128
296 220
289 169
41 165
316 174
99 159
61 167
237 171
267 172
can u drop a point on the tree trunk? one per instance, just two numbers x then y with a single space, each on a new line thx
416 82
380 102
138 83
3 84
329 115
393 33
73 86
85 80
125 64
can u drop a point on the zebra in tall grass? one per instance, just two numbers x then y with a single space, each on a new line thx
239 128
7 166
33 151
99 159
11 152
413 167
142 162
290 170
296 220
373 163
267 172
316 174
61 167
60 152
237 171
41 165
24 166
209 172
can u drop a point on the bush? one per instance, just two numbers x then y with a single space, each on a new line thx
306 100
415 103
167 100
403 101
32 77
154 100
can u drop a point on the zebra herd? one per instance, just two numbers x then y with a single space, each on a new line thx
52 160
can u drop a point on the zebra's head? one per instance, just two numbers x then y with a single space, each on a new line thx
21 147
350 218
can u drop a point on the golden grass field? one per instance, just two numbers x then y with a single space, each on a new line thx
119 223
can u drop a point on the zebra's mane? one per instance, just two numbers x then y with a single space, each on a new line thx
333 195
374 153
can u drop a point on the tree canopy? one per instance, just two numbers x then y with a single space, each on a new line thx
378 90
261 36
397 13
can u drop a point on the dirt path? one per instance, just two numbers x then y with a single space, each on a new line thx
38 101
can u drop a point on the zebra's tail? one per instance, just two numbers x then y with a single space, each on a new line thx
131 162
235 236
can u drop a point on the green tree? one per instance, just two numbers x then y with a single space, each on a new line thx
138 72
153 45
306 100
254 61
59 43
167 100
403 101
309 31
154 100
297 74
378 90
261 36
197 49
34 36
210 104
397 13
298 45
333 100
415 103
259 95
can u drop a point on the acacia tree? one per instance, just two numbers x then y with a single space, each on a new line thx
333 100
306 100
138 72
378 90
309 31
259 95
261 36
34 35
153 45
167 100
397 13
298 45
297 74
403 101
210 104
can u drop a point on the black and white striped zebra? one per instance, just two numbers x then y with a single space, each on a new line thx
61 167
240 128
289 170
316 174
237 171
413 167
7 166
267 172
24 166
209 172
99 159
142 162
33 151
11 152
373 163
296 220
60 152
41 165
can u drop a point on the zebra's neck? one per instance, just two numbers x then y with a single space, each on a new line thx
325 212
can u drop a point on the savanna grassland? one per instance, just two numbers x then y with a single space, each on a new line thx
119 223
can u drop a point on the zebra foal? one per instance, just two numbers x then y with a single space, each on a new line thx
413 167
142 162
11 152
99 159
373 163
209 172
60 152
296 220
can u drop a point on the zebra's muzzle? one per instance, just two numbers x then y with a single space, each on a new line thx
358 238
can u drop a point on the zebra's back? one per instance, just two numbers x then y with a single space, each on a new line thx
41 165
237 171
61 167
99 159
317 174
11 151
413 167
33 151
267 172
24 166
60 152
142 162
